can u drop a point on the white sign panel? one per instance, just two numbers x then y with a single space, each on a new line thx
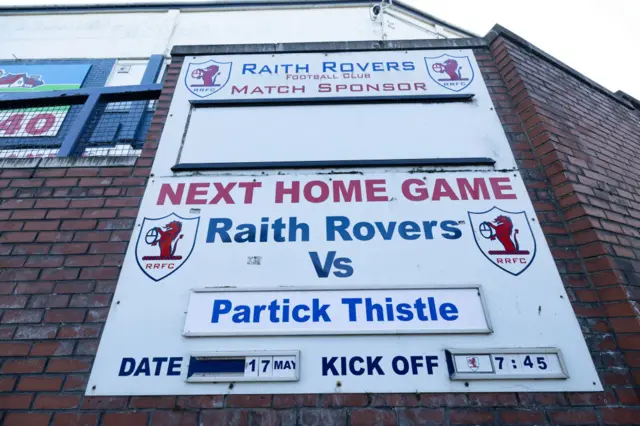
394 310
313 75
399 235
339 106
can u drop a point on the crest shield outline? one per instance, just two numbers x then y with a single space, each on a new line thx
453 73
473 362
491 236
206 78
161 242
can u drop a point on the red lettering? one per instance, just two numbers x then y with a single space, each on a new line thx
166 191
223 193
347 194
372 189
195 191
235 89
12 124
418 194
32 126
248 190
479 186
498 188
443 189
294 191
308 191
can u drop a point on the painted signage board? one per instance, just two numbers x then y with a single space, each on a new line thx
337 311
211 252
37 122
333 106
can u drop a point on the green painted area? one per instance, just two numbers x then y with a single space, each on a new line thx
43 88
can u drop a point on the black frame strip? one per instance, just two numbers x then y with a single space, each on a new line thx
352 100
415 162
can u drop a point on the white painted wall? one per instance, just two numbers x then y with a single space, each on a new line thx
141 34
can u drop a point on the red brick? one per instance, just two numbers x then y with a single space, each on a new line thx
56 401
48 261
52 348
70 248
443 400
620 415
24 365
68 365
17 237
75 419
61 182
74 225
6 384
103 273
76 383
87 203
104 402
60 274
35 332
291 401
14 348
372 416
79 331
17 203
421 416
52 203
24 419
83 261
54 237
22 316
173 418
13 302
40 383
116 247
31 214
125 419
248 401
65 315
477 417
142 402
12 261
15 401
82 172
240 418
574 417
203 401
42 225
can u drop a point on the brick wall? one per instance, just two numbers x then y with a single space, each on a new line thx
65 231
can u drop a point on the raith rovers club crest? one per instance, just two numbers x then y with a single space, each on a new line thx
206 78
451 72
505 238
164 244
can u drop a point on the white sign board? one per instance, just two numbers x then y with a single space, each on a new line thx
338 106
397 235
337 311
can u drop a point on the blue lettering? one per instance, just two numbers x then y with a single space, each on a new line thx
174 366
352 302
127 366
449 312
320 311
249 68
451 229
219 226
220 307
242 314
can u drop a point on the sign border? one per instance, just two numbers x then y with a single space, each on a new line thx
454 375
